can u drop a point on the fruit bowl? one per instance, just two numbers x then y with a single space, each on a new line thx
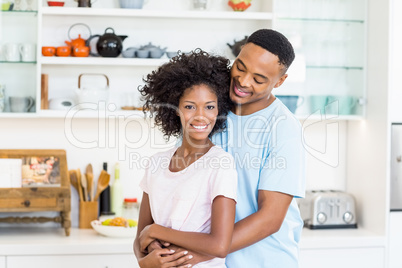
113 231
239 5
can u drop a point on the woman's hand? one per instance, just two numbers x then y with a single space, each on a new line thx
165 258
145 238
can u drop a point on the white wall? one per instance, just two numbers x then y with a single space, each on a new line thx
368 139
131 140
128 141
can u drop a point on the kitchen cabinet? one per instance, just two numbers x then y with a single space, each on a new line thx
345 258
68 261
395 239
346 248
395 116
329 38
2 262
18 75
48 247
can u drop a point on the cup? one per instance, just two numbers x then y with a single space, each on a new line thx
136 4
200 4
85 3
48 51
5 5
318 102
88 213
81 51
11 52
292 102
28 52
63 51
2 98
342 105
21 104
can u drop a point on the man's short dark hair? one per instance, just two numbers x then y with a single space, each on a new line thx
276 43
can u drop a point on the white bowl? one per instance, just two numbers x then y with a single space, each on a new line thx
114 231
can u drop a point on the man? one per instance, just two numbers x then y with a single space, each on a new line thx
265 139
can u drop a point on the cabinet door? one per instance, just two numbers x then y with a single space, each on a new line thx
63 261
2 262
18 69
395 240
345 258
329 41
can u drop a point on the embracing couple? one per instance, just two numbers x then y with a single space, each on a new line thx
226 197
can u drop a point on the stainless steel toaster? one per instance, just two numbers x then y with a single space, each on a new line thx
328 209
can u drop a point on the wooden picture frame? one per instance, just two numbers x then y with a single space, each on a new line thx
36 199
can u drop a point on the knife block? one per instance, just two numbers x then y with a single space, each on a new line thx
88 213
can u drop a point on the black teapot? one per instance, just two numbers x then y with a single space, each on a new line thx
109 44
236 47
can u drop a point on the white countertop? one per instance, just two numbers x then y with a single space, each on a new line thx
340 238
52 241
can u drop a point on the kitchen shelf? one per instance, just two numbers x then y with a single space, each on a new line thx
335 67
319 20
20 12
141 13
17 62
134 114
102 61
17 115
331 117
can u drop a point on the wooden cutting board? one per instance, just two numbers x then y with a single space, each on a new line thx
44 93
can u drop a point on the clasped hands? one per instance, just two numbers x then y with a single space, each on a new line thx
159 253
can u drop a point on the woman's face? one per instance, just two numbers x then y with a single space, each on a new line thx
198 109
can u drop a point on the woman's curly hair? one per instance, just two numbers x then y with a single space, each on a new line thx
164 87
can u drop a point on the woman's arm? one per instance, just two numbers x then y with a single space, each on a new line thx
216 243
144 219
163 257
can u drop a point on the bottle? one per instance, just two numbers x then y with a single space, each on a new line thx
131 209
104 199
117 192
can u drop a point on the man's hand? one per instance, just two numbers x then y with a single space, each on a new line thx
165 258
195 257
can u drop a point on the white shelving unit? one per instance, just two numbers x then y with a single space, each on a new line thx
180 28
103 61
176 28
163 14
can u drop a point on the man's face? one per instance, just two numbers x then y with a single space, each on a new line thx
255 73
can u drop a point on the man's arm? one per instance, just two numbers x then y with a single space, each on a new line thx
272 209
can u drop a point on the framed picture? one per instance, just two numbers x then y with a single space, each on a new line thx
40 171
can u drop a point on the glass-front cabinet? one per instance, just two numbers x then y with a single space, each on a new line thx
329 37
18 54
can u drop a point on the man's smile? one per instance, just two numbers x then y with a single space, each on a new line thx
239 91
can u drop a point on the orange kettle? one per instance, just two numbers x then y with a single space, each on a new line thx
78 47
